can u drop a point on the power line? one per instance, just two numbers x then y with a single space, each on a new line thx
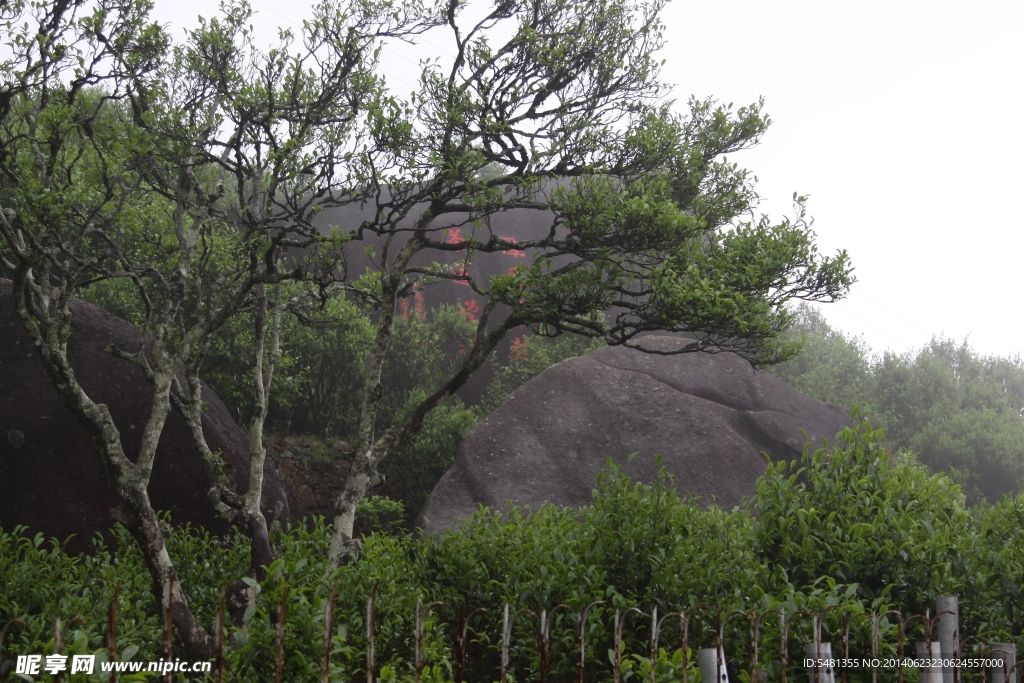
903 344
885 308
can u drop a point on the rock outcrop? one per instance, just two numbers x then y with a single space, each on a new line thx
312 471
708 415
51 476
517 225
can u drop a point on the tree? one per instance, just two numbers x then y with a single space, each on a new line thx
638 211
68 187
958 410
115 169
831 366
955 409
196 174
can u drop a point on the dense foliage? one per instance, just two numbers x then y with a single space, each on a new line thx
956 409
205 174
850 525
319 378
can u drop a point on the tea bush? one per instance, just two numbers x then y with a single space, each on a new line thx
850 514
847 525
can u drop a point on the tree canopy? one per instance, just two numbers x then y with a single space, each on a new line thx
957 410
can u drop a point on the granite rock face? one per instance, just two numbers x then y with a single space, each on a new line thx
517 225
51 476
312 471
709 416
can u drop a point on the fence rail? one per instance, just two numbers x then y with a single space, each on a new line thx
999 659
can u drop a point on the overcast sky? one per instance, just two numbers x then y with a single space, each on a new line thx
900 120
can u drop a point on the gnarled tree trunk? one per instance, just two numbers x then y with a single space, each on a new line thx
45 314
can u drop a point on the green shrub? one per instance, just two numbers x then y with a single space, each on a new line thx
379 514
637 545
846 526
416 466
850 514
40 582
995 595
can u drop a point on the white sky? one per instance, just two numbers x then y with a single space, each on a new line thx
899 119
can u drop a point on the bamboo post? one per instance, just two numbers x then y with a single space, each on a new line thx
712 665
1007 673
947 609
816 652
928 651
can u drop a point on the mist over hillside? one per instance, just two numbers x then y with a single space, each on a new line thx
946 404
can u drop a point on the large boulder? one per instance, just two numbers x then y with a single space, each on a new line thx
518 225
53 480
709 415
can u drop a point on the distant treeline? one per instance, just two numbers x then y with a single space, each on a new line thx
951 407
